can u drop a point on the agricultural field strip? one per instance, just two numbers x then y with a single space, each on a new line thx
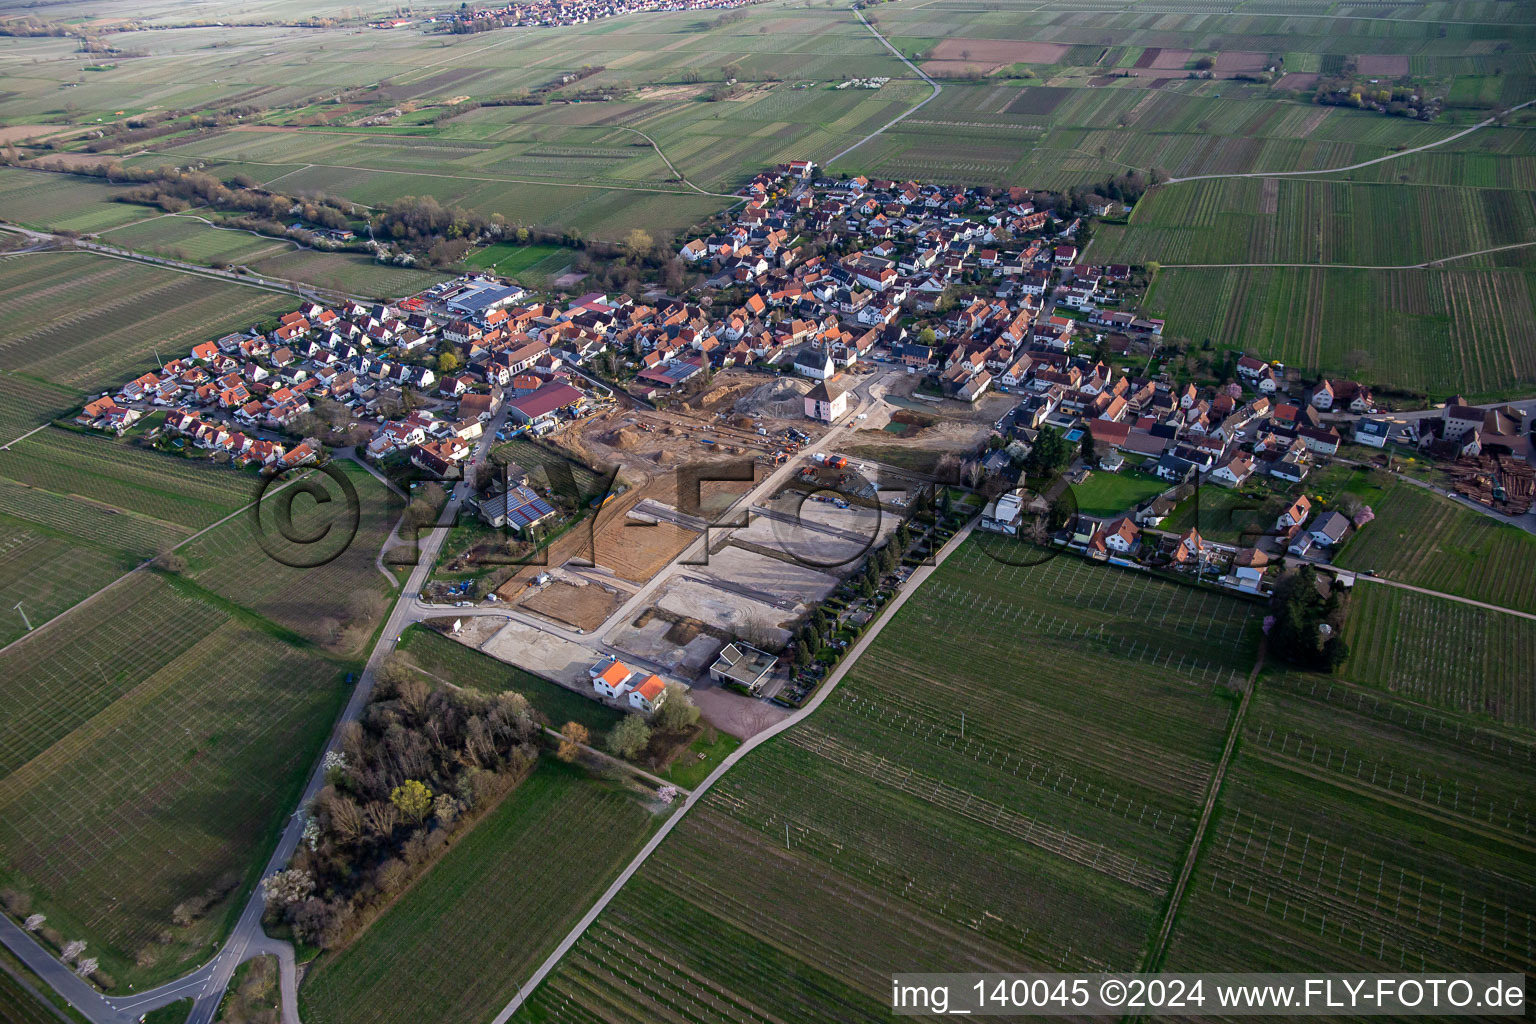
131 573
1444 652
955 800
1364 163
1439 795
1189 668
1010 753
887 865
134 786
1288 863
1227 623
1351 266
1471 558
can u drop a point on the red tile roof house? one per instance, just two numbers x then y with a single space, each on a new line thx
610 678
648 695
1119 536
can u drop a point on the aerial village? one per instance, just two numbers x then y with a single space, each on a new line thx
882 362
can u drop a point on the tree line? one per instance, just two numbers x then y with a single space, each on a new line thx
419 765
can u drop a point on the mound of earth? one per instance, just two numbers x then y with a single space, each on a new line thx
779 398
623 439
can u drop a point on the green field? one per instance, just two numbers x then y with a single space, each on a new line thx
349 273
62 201
313 600
190 240
1108 494
1027 834
1316 222
93 322
504 894
19 1005
1360 832
1442 653
1428 541
26 402
443 659
176 491
134 776
529 264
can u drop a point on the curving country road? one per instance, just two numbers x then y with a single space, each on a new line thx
937 88
1364 163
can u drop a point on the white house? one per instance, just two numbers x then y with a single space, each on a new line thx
1330 529
1295 515
826 401
816 363
648 695
1234 471
610 678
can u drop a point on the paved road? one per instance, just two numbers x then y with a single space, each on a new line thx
730 761
937 88
1355 167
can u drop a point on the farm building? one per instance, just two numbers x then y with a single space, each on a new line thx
672 372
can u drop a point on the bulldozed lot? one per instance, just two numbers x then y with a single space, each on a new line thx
580 603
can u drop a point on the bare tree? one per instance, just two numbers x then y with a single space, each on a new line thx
573 736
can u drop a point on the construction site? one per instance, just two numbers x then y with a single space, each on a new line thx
662 573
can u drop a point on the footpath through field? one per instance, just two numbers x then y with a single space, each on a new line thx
1160 944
